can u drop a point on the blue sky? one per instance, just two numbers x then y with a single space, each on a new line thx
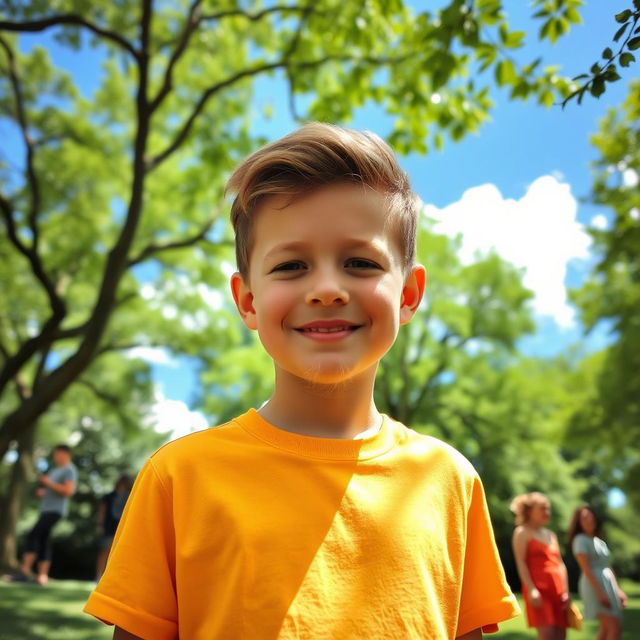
516 186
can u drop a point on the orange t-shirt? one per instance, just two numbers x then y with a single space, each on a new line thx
246 531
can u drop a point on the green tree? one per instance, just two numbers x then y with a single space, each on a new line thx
112 208
607 428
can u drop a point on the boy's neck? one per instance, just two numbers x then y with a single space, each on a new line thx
325 411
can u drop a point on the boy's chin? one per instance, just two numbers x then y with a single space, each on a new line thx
328 375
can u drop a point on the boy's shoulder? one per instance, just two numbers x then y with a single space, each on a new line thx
426 446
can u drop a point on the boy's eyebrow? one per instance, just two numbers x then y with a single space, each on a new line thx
349 243
287 246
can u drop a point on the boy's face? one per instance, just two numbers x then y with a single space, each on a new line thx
326 289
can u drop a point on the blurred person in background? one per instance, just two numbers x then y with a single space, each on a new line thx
601 596
56 488
543 574
109 513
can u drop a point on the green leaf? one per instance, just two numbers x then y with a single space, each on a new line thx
634 43
607 54
503 32
597 87
626 59
515 39
573 15
544 30
620 31
505 72
623 16
547 99
595 69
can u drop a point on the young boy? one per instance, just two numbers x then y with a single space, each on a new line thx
315 517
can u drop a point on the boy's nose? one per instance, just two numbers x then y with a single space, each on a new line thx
327 291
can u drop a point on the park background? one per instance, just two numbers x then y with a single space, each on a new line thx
117 331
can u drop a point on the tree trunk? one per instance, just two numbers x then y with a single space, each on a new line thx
22 474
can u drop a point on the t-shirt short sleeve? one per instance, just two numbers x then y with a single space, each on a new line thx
580 544
486 598
137 590
70 473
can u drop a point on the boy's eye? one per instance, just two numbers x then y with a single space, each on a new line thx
289 266
361 263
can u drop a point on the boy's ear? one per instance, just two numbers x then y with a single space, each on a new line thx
243 298
412 292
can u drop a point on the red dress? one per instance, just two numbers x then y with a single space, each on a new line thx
545 566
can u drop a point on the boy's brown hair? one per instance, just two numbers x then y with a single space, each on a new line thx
317 155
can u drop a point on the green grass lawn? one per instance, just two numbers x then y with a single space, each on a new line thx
54 612
30 612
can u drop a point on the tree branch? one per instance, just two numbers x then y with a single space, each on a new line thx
113 401
41 366
100 393
72 19
293 45
72 332
192 23
154 161
108 348
22 389
153 249
14 363
32 177
28 348
58 306
254 17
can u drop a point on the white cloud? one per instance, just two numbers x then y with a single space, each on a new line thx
154 355
539 233
174 417
599 222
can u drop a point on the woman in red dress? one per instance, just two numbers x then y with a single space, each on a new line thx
540 566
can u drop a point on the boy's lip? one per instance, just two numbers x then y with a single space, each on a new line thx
328 326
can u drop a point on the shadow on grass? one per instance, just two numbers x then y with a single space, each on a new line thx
30 612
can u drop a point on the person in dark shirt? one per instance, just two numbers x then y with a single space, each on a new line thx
109 514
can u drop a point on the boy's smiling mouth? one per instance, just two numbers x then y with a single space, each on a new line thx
328 329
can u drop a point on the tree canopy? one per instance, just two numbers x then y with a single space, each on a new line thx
608 424
114 227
